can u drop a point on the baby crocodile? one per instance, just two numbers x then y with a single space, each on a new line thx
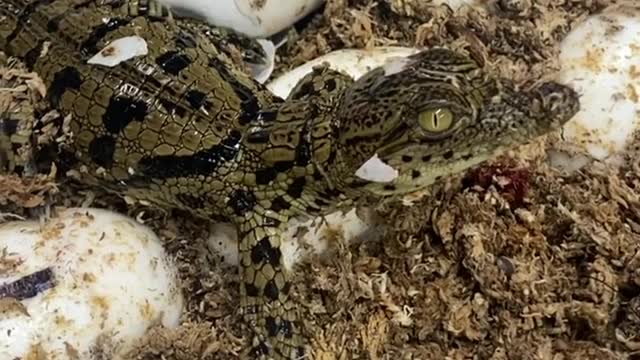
182 127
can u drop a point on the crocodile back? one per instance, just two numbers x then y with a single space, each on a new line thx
174 115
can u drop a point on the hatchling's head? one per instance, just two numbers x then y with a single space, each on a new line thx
417 119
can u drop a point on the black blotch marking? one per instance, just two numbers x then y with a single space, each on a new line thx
438 177
264 252
248 102
173 62
407 158
8 126
271 290
285 289
90 46
258 137
272 326
65 160
279 204
67 78
296 187
466 157
260 350
241 201
448 155
332 156
282 326
33 55
185 40
28 286
265 176
121 111
266 116
286 328
23 17
303 150
304 90
101 150
426 158
300 352
415 174
54 23
196 98
282 166
252 290
390 187
271 222
330 85
204 162
172 107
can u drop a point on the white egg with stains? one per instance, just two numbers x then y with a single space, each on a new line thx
600 59
85 282
254 18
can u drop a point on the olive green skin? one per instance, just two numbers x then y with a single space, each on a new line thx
183 127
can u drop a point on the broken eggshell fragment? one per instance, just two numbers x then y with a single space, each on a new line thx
83 279
376 170
120 50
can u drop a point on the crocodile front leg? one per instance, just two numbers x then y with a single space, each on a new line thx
265 302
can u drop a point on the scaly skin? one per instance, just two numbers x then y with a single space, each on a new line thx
183 128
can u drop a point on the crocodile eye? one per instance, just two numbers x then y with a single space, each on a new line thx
436 120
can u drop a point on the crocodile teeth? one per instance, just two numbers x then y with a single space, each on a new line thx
120 50
376 170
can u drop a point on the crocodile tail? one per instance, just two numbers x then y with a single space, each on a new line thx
265 301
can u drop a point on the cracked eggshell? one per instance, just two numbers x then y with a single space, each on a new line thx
112 280
302 238
354 62
254 18
600 59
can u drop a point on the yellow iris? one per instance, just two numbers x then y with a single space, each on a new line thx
436 120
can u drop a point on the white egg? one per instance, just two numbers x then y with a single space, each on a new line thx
600 58
354 62
102 279
254 18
